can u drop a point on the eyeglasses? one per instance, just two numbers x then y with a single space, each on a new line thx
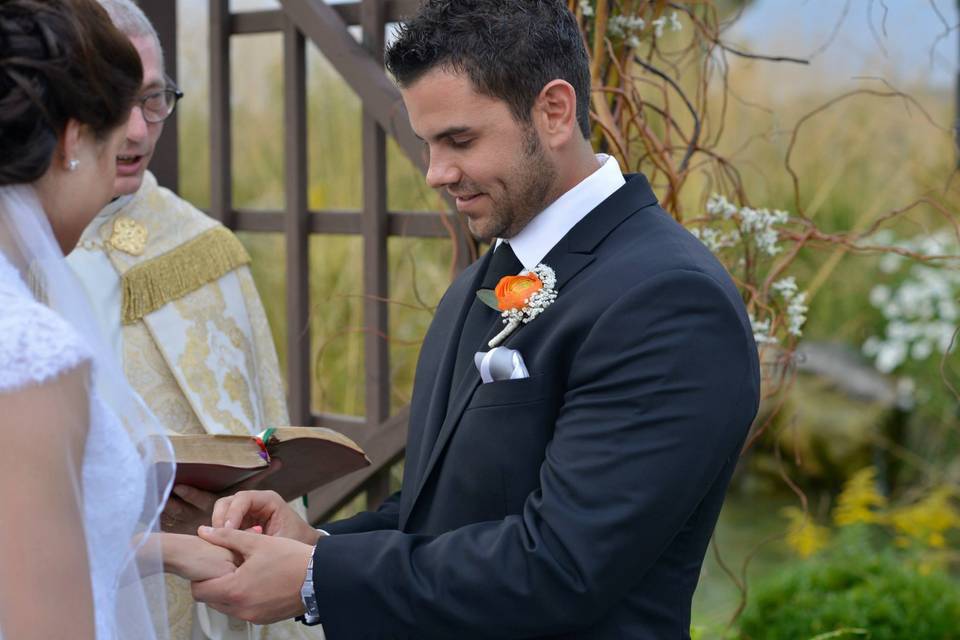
157 106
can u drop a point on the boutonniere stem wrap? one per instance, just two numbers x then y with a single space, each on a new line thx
520 298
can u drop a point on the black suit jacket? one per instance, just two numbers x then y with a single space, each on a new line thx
576 503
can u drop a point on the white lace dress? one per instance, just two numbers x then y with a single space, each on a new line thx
37 345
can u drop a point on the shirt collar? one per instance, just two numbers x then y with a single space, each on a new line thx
546 229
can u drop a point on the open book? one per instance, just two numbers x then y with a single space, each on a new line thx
310 457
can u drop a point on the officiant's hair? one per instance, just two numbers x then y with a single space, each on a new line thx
510 50
131 20
59 60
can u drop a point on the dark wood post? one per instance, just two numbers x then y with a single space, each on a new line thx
956 116
296 221
375 283
221 169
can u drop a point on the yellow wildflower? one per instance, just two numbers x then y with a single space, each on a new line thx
804 536
860 501
927 521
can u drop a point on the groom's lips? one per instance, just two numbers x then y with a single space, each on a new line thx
464 201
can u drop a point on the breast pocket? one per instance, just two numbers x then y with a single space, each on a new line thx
503 435
509 392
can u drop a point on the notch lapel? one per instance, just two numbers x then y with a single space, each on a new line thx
439 395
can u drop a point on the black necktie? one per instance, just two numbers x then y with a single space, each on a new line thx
481 318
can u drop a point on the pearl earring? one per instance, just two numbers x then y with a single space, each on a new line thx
73 164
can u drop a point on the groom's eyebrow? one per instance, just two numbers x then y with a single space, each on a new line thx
449 132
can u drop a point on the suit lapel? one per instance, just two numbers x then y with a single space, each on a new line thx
440 393
568 258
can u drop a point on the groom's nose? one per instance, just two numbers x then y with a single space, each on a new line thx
442 172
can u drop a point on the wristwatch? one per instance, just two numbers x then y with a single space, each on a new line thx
309 597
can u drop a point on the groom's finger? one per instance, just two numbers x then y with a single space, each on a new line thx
249 507
243 542
220 508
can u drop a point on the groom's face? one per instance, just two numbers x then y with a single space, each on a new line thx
491 164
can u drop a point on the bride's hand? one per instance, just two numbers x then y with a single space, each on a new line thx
194 559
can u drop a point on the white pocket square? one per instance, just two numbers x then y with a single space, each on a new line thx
500 363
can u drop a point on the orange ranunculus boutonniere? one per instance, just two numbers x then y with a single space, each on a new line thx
520 299
513 292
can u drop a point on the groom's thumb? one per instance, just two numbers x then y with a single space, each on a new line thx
241 542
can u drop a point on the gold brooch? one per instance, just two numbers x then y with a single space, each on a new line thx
129 236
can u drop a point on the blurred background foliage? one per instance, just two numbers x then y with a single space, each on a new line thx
842 520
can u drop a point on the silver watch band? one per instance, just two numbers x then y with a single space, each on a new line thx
308 596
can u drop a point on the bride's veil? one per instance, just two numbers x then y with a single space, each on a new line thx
27 241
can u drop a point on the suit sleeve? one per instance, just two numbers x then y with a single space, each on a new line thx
386 517
660 395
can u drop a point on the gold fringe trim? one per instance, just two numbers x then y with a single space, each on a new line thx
206 258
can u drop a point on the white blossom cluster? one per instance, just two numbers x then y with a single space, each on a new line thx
757 224
760 223
663 21
923 310
715 239
628 28
797 309
796 304
761 331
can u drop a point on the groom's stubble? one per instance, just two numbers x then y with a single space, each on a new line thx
529 188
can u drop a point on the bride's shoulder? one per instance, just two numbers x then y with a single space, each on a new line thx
36 344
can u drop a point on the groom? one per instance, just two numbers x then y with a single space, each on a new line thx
573 502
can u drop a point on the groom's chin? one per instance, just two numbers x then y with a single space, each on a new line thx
485 229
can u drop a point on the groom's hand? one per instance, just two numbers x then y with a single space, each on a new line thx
265 588
267 509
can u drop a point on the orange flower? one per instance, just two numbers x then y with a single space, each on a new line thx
513 291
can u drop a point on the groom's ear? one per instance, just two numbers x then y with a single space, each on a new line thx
554 113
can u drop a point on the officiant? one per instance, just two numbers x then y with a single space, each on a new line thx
173 294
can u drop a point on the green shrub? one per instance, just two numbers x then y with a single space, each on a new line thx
872 592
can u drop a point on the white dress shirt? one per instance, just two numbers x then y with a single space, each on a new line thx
545 230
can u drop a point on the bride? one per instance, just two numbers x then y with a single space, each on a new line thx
80 486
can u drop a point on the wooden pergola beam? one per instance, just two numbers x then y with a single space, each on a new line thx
380 97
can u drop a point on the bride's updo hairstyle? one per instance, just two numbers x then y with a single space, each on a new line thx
59 59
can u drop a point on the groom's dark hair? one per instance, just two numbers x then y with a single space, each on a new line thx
510 49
